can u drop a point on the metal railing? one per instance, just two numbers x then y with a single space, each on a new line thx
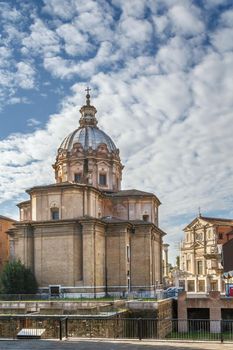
48 327
82 297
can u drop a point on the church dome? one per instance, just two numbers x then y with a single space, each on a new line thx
88 137
88 134
88 155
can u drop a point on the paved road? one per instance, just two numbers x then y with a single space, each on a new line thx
106 345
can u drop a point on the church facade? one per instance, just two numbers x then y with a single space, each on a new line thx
84 234
201 254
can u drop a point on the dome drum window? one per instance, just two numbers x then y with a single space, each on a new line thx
145 217
54 213
102 179
77 177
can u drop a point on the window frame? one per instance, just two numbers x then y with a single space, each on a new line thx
192 283
77 174
53 212
145 217
200 267
102 176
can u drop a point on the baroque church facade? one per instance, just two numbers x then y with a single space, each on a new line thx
201 259
84 234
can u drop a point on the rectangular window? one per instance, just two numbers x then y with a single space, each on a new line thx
55 214
201 286
145 217
103 179
220 236
200 267
191 286
214 286
188 265
77 177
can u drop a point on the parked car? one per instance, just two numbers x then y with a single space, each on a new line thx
173 291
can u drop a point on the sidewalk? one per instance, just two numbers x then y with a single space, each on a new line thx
81 344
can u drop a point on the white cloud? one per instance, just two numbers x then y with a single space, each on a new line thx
64 68
222 37
25 75
178 54
135 31
16 100
33 122
162 93
226 18
76 43
41 40
186 20
214 3
5 54
8 13
64 9
137 10
212 83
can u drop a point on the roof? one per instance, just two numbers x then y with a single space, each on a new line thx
113 220
88 137
122 193
217 220
214 221
6 218
24 203
62 185
133 192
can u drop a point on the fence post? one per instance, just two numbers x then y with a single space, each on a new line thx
66 327
139 328
222 337
60 329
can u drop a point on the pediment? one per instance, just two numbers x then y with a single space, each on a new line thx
102 163
197 223
197 245
76 162
102 147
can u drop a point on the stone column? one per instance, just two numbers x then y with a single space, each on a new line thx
215 312
206 284
220 284
165 251
182 313
88 239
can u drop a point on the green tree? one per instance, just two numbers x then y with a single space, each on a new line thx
178 261
17 279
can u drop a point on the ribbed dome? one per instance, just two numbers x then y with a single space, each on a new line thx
89 164
88 136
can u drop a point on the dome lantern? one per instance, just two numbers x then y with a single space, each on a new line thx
88 112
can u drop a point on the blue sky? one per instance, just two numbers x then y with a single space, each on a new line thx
161 73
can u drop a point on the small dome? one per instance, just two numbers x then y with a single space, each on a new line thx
88 136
